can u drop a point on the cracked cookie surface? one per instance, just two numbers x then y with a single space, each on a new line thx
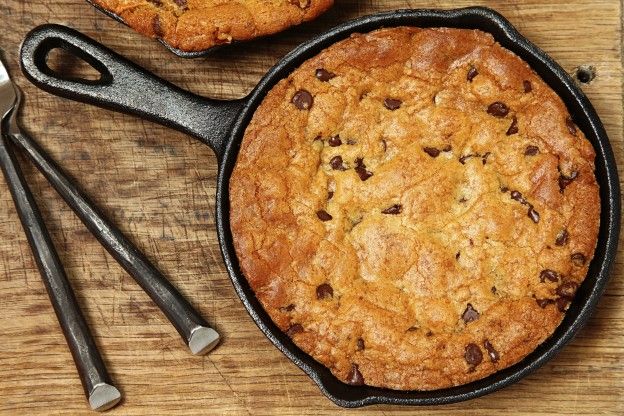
415 208
195 25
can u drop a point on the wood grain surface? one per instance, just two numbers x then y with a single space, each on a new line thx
159 187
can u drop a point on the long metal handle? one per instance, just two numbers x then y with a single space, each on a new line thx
194 330
96 382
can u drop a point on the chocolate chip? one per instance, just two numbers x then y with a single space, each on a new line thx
181 3
457 255
336 163
429 333
470 314
517 196
289 308
323 215
324 75
565 180
360 169
504 189
513 129
531 150
551 275
302 100
392 103
360 344
472 72
363 173
491 351
562 304
294 329
324 291
527 86
355 378
334 141
567 290
533 214
473 354
498 109
384 145
484 158
578 259
570 125
493 289
330 195
562 238
393 210
431 151
542 303
447 148
462 200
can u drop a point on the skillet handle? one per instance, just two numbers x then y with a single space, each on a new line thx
124 86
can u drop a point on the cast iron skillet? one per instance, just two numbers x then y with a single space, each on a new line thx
179 52
126 87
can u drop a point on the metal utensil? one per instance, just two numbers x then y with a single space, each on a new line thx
100 391
221 125
193 329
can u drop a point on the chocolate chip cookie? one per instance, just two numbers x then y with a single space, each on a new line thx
415 208
195 25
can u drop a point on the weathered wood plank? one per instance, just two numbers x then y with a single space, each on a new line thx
159 186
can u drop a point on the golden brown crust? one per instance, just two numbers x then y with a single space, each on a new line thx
457 256
196 25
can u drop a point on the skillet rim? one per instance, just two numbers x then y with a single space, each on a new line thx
583 114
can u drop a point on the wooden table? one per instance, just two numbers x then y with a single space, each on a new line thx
159 186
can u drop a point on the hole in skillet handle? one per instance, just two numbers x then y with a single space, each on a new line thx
583 114
66 59
68 66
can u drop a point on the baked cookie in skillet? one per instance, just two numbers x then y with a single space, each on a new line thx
196 25
415 208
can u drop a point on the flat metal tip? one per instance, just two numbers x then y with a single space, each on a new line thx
103 397
203 339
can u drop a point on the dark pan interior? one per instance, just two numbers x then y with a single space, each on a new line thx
583 114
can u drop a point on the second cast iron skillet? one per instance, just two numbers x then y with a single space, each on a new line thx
176 51
127 87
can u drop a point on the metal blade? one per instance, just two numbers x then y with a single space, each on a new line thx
7 92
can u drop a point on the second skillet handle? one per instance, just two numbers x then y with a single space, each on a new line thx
124 86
